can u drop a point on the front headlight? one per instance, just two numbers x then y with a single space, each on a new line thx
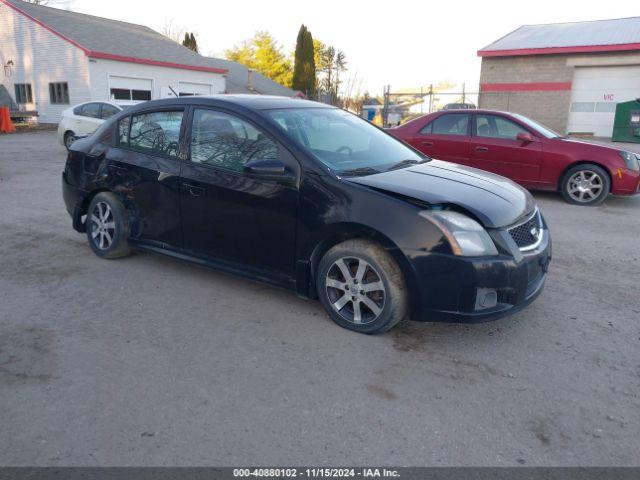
631 160
466 236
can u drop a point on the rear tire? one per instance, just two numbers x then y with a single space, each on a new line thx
586 184
69 138
362 288
107 226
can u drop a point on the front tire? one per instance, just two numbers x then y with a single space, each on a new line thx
107 226
585 184
361 287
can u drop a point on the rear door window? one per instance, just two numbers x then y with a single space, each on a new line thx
449 124
108 111
156 133
91 110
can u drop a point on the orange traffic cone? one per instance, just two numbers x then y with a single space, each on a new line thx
6 125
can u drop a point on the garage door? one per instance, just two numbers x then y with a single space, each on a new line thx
594 95
189 89
128 90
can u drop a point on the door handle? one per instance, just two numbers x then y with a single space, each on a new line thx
193 190
482 149
427 144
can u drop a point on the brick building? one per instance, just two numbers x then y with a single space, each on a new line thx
569 76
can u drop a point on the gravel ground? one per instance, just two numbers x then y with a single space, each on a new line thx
152 361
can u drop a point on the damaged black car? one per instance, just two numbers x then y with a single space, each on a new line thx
311 198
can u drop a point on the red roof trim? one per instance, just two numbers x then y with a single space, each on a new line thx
624 47
119 58
526 87
158 63
75 44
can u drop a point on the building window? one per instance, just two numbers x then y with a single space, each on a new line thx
130 94
120 94
141 95
59 93
23 93
583 107
606 107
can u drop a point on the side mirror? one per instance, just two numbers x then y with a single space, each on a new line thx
266 168
524 137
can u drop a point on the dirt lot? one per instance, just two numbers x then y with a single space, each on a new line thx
152 361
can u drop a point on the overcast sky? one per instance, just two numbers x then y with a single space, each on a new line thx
402 43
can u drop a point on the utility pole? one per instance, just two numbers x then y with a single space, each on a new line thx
385 107
463 94
431 98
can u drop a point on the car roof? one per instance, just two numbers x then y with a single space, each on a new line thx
96 101
472 110
251 102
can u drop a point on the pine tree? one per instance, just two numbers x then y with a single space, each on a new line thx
190 42
194 44
304 69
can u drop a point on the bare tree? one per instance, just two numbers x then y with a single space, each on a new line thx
339 65
173 31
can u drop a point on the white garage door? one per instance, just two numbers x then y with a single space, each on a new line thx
128 90
594 95
190 89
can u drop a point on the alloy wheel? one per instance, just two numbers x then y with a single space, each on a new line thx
585 186
355 290
103 226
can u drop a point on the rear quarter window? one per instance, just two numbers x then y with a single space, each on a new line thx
123 131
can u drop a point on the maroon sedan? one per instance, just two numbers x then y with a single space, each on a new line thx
521 149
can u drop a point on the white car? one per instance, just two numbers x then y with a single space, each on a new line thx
82 120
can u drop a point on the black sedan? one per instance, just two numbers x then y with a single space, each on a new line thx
311 198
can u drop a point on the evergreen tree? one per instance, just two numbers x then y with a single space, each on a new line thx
194 44
263 54
190 42
304 69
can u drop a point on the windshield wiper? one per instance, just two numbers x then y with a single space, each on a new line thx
357 172
404 163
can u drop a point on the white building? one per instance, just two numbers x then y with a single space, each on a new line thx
54 58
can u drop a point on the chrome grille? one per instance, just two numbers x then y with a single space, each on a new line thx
528 234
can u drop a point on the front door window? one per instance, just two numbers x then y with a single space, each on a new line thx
222 140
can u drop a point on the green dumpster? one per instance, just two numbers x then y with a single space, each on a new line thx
626 127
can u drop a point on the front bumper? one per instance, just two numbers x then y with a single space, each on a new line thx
625 182
447 288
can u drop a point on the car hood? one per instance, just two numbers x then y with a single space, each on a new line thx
494 200
590 146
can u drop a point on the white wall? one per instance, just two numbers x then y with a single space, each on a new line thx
162 77
41 57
